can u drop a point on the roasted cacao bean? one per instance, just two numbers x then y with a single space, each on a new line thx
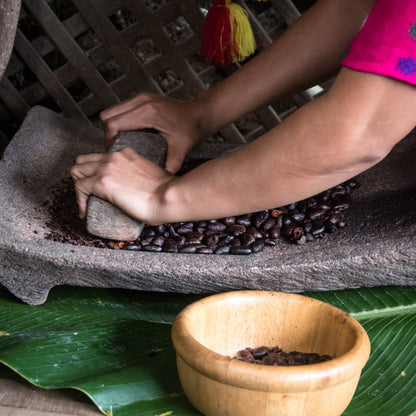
257 246
216 226
222 250
240 250
246 239
259 218
185 228
236 229
268 224
298 222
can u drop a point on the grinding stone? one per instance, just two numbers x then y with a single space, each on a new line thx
378 246
104 219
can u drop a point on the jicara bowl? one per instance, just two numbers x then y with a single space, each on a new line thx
208 333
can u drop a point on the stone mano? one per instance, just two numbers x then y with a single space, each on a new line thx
108 221
376 248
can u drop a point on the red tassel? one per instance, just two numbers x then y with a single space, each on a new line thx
216 42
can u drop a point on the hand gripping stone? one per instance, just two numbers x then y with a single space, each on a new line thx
104 219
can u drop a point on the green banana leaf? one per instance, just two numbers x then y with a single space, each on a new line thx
115 346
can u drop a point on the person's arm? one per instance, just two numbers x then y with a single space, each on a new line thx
307 53
327 141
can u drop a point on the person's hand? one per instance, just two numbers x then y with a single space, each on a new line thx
179 122
127 180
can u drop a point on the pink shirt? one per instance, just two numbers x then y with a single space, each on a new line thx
386 44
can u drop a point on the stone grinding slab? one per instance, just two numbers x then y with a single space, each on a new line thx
104 219
9 17
378 246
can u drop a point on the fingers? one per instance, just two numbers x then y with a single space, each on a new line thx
86 166
170 117
174 158
90 157
125 106
85 187
82 200
95 174
123 178
132 120
84 170
173 165
126 116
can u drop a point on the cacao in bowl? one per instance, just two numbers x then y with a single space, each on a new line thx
208 334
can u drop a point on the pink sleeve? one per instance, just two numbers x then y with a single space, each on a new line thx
386 44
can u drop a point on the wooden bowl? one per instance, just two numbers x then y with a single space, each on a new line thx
208 333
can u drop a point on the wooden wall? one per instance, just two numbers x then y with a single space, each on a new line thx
81 56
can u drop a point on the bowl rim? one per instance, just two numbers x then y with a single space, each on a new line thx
268 378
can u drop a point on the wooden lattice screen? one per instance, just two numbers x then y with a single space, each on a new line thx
81 56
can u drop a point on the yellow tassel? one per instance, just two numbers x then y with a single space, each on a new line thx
241 32
227 36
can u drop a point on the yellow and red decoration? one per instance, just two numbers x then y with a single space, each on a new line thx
227 35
